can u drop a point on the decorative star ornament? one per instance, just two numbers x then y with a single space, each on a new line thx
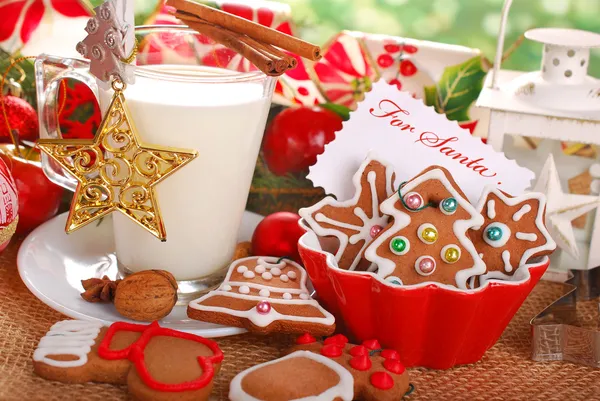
116 171
562 208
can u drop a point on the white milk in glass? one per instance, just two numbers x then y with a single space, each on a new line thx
202 203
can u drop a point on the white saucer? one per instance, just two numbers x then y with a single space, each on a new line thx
52 265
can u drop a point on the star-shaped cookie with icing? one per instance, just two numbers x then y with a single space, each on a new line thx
356 221
513 232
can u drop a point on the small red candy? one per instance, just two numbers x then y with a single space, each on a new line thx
305 338
394 366
331 350
359 350
382 380
390 354
361 362
372 344
338 339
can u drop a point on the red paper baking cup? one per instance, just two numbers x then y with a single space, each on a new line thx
431 325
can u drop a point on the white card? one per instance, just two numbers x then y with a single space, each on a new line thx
412 136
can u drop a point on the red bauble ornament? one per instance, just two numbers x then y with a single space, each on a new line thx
21 116
9 205
296 136
278 235
39 198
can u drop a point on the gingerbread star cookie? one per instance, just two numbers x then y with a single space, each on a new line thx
378 373
513 232
156 363
427 239
264 295
354 222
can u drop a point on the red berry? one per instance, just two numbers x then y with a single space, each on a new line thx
278 235
371 344
392 48
410 49
407 68
305 338
338 339
331 350
382 380
296 136
358 350
361 362
385 60
394 366
390 354
396 82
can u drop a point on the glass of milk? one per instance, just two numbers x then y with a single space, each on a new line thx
179 101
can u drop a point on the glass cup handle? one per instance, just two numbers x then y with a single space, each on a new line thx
49 72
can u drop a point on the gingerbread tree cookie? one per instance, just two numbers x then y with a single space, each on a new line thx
427 240
378 373
264 295
513 232
354 222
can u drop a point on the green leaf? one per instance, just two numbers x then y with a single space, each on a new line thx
340 110
457 89
28 84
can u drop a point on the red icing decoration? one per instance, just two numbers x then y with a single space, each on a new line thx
338 339
394 366
358 350
135 353
390 354
371 344
382 380
305 338
331 350
361 362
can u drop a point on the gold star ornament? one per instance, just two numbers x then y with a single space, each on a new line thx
115 171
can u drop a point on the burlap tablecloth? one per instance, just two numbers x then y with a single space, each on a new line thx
505 373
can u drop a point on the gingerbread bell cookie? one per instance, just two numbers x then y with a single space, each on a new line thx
354 222
156 363
301 375
427 239
264 295
512 234
378 373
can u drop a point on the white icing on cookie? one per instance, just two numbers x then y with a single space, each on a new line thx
506 259
521 212
260 269
292 275
249 274
69 337
267 276
364 231
491 209
276 271
226 287
343 390
526 236
402 219
263 320
284 278
242 269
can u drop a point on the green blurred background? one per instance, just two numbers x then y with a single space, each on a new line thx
472 23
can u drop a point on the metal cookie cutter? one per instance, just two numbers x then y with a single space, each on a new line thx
568 329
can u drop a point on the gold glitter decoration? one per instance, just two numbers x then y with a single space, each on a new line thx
7 232
115 171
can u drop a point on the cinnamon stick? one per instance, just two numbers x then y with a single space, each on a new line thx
235 42
242 26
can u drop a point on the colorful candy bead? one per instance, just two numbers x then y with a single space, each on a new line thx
494 233
375 230
399 245
427 233
450 253
413 201
448 206
263 307
425 265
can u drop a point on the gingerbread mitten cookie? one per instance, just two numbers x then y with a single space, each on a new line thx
301 375
513 232
156 363
378 373
427 240
354 222
264 295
